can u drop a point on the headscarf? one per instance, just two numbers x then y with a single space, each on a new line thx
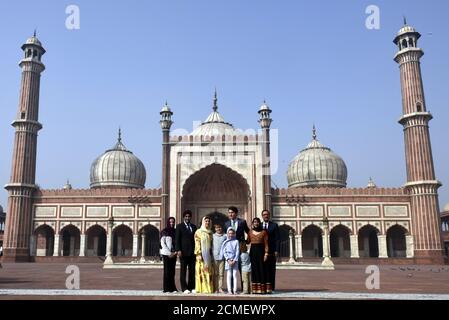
206 243
168 231
228 239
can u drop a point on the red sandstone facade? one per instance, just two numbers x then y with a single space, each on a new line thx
390 224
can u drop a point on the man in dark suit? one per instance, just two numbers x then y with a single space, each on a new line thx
241 227
185 246
273 246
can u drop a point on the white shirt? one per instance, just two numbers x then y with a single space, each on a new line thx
167 246
235 224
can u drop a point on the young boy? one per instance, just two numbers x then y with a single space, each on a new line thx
219 264
245 261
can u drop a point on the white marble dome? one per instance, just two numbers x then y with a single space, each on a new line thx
317 166
117 167
406 29
34 40
446 207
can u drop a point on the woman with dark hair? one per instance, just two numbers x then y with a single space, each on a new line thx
169 256
258 238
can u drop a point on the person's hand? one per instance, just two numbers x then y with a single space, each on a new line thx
179 254
173 255
265 257
199 258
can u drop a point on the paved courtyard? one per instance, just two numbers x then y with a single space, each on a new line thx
44 281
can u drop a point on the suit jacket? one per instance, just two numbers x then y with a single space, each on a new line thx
274 237
242 227
184 239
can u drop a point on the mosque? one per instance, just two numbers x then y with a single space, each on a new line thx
216 166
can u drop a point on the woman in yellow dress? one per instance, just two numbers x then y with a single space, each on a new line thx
204 258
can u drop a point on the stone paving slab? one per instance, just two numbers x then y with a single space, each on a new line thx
155 294
424 281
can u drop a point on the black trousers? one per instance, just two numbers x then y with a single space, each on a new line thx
187 263
169 274
271 270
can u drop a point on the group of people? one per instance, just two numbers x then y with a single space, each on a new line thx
205 255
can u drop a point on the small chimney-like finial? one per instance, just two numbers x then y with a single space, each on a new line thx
405 20
34 34
215 101
314 132
119 134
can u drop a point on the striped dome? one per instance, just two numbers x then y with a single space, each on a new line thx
117 167
316 166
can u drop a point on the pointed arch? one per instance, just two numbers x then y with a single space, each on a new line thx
368 241
71 240
340 244
45 237
312 241
96 241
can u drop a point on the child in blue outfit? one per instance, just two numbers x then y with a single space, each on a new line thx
230 251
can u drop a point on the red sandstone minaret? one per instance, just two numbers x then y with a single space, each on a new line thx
265 123
23 172
421 182
166 123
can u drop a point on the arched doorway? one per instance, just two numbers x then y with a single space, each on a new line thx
151 241
123 241
284 244
312 242
340 244
45 237
213 189
70 241
368 242
96 241
396 244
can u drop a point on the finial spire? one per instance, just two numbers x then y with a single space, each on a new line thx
405 20
314 132
215 101
34 34
119 134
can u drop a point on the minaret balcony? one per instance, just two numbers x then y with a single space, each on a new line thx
415 119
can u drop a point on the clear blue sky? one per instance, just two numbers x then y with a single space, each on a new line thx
314 61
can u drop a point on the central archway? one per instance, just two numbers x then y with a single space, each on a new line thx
213 189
